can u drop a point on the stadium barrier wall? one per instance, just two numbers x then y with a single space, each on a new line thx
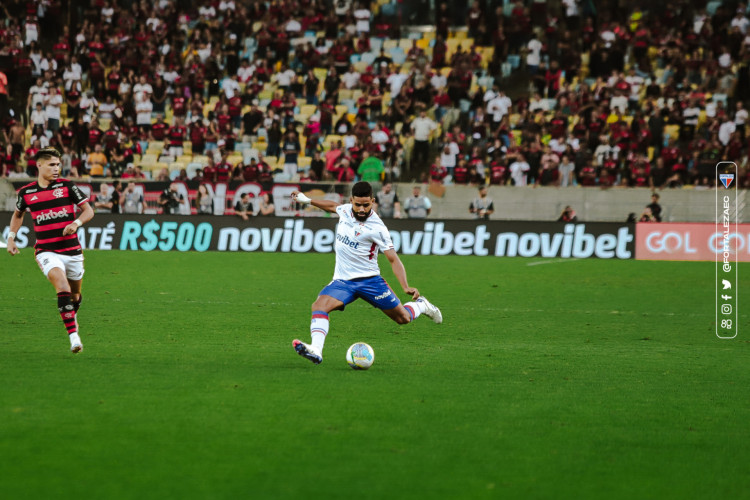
448 202
691 241
303 235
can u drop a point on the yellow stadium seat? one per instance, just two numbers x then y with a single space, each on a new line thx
307 109
303 162
149 158
672 131
320 73
330 139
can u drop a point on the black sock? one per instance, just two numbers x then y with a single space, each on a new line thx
67 311
77 303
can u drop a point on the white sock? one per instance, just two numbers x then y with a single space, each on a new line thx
74 338
319 329
415 308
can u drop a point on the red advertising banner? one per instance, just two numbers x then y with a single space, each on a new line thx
689 241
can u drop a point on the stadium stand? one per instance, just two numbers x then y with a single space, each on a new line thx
633 93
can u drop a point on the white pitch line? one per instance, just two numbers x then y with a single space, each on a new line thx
551 261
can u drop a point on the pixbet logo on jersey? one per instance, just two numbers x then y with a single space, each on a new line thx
51 215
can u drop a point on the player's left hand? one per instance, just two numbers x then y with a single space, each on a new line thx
413 292
70 229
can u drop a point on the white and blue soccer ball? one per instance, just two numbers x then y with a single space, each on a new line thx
360 356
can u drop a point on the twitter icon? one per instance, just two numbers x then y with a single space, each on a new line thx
727 285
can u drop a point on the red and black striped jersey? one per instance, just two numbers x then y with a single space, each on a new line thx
52 208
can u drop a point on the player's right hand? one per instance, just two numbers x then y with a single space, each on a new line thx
300 197
12 248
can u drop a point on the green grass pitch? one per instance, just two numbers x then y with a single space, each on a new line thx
547 379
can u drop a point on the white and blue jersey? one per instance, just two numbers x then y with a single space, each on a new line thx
357 274
358 243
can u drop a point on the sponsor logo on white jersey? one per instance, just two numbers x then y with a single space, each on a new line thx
51 215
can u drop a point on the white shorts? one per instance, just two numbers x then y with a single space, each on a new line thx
72 265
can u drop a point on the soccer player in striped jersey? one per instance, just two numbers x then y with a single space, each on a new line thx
360 235
51 201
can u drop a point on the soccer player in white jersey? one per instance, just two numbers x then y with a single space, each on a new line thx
360 235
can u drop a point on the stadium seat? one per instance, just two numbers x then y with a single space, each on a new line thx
330 139
174 170
320 73
155 147
390 44
303 162
341 109
149 158
192 168
360 67
250 153
368 58
308 109
671 131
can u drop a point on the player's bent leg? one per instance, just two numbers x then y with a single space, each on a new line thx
399 314
57 277
327 304
319 325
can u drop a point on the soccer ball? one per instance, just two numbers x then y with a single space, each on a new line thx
360 356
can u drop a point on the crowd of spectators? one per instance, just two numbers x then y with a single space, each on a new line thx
534 92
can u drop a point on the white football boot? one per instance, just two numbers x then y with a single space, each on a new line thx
75 343
308 351
431 311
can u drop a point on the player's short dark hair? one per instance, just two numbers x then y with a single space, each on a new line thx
362 189
45 153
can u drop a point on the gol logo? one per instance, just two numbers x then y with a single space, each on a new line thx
669 242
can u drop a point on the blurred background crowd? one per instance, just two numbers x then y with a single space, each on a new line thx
564 92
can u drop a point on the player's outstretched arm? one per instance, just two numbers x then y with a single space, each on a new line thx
16 221
327 205
400 271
